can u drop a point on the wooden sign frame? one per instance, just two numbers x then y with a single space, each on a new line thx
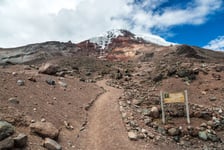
176 98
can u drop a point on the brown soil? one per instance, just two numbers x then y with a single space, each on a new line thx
39 100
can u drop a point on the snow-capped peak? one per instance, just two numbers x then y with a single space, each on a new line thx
105 39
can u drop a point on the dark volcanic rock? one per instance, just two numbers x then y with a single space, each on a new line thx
158 77
7 143
51 144
186 73
6 129
219 68
21 140
188 51
50 82
49 68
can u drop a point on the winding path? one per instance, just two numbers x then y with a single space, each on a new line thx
105 129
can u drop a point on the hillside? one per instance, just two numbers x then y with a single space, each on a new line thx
104 93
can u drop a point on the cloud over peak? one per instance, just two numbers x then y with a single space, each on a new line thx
30 21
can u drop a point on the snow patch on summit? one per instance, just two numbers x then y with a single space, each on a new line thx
104 40
155 39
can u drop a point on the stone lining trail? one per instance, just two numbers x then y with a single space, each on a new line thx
105 129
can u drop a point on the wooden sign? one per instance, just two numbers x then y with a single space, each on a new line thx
174 97
167 98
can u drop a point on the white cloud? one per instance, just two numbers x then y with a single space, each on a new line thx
30 21
195 13
216 44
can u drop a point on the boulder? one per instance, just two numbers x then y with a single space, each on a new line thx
132 135
145 112
32 79
213 137
154 112
137 101
49 68
219 68
6 129
13 100
20 140
206 115
193 131
7 143
20 82
173 131
203 135
213 98
50 81
44 129
62 84
51 144
161 130
158 77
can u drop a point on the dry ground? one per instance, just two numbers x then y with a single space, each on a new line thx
38 100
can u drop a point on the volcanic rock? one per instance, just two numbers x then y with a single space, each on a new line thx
7 143
20 82
50 82
203 135
6 129
154 112
136 101
173 131
21 140
132 135
51 144
13 100
44 129
49 68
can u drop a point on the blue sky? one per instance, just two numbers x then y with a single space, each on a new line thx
193 22
198 35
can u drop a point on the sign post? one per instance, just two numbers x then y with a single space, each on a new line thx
187 107
168 98
162 107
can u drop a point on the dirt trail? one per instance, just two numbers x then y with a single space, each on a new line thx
105 129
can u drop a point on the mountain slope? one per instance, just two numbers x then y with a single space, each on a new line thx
113 45
38 51
104 41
